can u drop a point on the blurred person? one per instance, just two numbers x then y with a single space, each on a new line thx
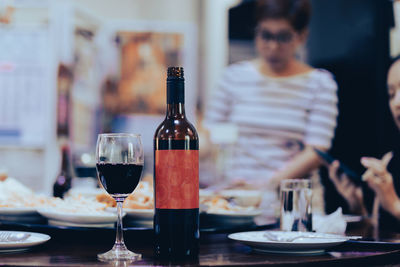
283 108
381 175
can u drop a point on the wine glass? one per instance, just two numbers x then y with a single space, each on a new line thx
119 164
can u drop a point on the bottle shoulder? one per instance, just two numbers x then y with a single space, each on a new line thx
176 129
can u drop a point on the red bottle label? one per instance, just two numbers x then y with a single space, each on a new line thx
177 179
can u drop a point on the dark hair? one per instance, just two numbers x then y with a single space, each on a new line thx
394 60
297 12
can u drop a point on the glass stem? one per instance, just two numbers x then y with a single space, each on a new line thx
119 241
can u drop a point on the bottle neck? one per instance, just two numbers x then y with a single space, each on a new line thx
65 160
175 98
176 110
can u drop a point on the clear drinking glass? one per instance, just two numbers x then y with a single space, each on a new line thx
119 164
296 210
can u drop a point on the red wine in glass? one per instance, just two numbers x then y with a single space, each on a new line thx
119 179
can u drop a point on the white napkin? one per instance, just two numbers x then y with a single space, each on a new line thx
333 223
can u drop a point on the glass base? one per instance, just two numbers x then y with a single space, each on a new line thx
119 253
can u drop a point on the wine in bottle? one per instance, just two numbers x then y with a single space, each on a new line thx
64 178
176 177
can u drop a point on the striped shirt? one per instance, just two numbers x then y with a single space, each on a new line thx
276 117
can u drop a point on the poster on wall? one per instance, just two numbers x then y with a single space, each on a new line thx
143 51
145 56
135 101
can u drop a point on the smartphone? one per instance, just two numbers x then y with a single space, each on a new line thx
353 176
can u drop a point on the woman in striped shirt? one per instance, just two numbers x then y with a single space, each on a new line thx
281 106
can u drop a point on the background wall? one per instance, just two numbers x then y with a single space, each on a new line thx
37 167
356 49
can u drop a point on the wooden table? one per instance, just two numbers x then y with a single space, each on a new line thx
78 248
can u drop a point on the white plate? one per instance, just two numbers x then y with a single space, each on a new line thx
79 218
33 240
312 243
229 218
18 211
136 214
70 224
235 214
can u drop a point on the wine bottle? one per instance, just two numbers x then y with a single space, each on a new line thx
176 177
64 178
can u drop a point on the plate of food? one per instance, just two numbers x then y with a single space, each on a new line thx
243 198
138 207
78 210
289 242
217 210
18 203
18 200
141 199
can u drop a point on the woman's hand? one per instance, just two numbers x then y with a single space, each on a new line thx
299 167
381 181
349 191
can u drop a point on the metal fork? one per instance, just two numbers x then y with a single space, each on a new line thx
274 237
13 237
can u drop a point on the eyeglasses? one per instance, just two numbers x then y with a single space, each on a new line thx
283 37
